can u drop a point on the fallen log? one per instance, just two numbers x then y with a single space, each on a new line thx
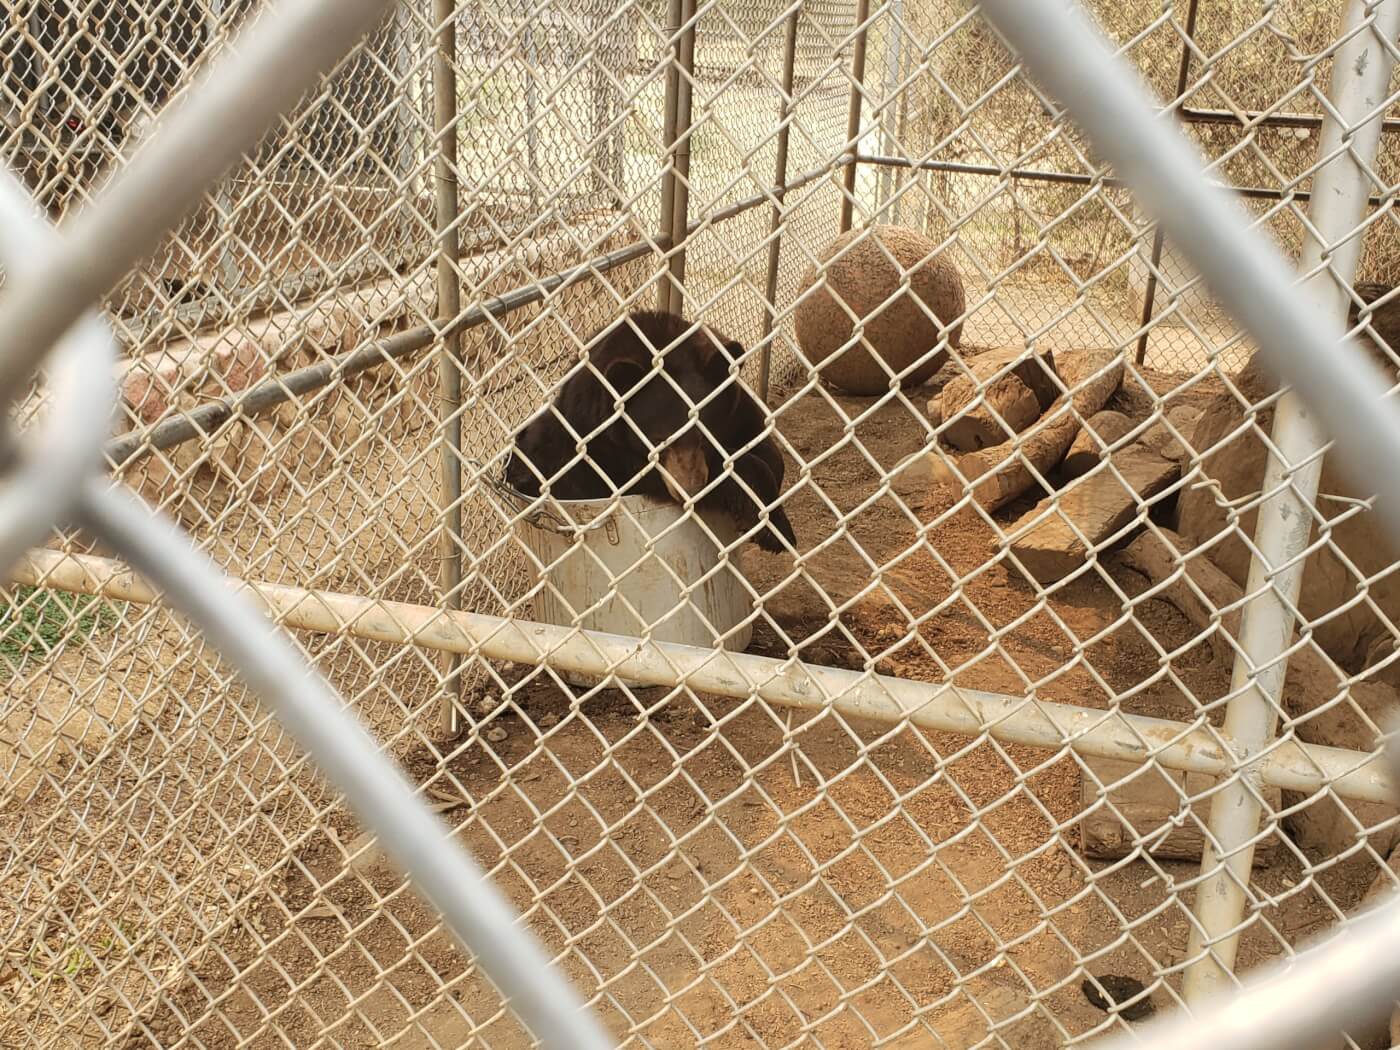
1014 394
1084 451
999 474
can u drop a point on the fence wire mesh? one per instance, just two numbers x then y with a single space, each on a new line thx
758 854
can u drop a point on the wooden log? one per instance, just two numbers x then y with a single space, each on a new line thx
1084 452
999 474
1202 593
1090 513
1210 600
1014 392
1008 407
1152 808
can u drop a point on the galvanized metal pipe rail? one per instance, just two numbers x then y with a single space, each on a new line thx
939 706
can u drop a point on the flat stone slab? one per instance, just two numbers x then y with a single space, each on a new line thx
1098 506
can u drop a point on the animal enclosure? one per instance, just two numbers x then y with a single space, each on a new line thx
975 766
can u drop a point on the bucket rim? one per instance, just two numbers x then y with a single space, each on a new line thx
551 514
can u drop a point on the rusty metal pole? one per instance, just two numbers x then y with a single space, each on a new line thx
848 195
449 305
1149 293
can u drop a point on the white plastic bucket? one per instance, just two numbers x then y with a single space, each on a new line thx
589 550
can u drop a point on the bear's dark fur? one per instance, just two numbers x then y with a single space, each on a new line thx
656 415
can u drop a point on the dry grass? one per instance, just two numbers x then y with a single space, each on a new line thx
958 109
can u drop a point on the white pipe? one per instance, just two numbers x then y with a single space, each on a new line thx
1301 1004
935 706
1346 150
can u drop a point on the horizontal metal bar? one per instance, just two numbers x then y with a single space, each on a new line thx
771 194
133 444
1074 178
1263 120
269 394
943 707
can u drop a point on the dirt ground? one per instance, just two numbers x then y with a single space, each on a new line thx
726 874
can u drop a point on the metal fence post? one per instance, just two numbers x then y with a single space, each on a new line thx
449 305
608 145
407 155
1149 292
666 218
532 109
775 222
891 141
1361 75
848 182
675 190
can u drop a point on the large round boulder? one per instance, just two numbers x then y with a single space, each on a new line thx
853 278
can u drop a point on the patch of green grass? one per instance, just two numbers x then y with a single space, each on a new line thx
36 621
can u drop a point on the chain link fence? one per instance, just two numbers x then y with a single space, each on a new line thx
965 784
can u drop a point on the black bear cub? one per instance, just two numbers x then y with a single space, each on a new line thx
655 414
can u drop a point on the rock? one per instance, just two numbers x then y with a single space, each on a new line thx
487 705
1092 376
935 410
872 265
1120 989
1016 385
1160 437
1378 653
496 734
1084 452
1344 627
1093 511
1309 694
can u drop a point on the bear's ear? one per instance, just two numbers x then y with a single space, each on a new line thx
734 349
616 364
624 373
